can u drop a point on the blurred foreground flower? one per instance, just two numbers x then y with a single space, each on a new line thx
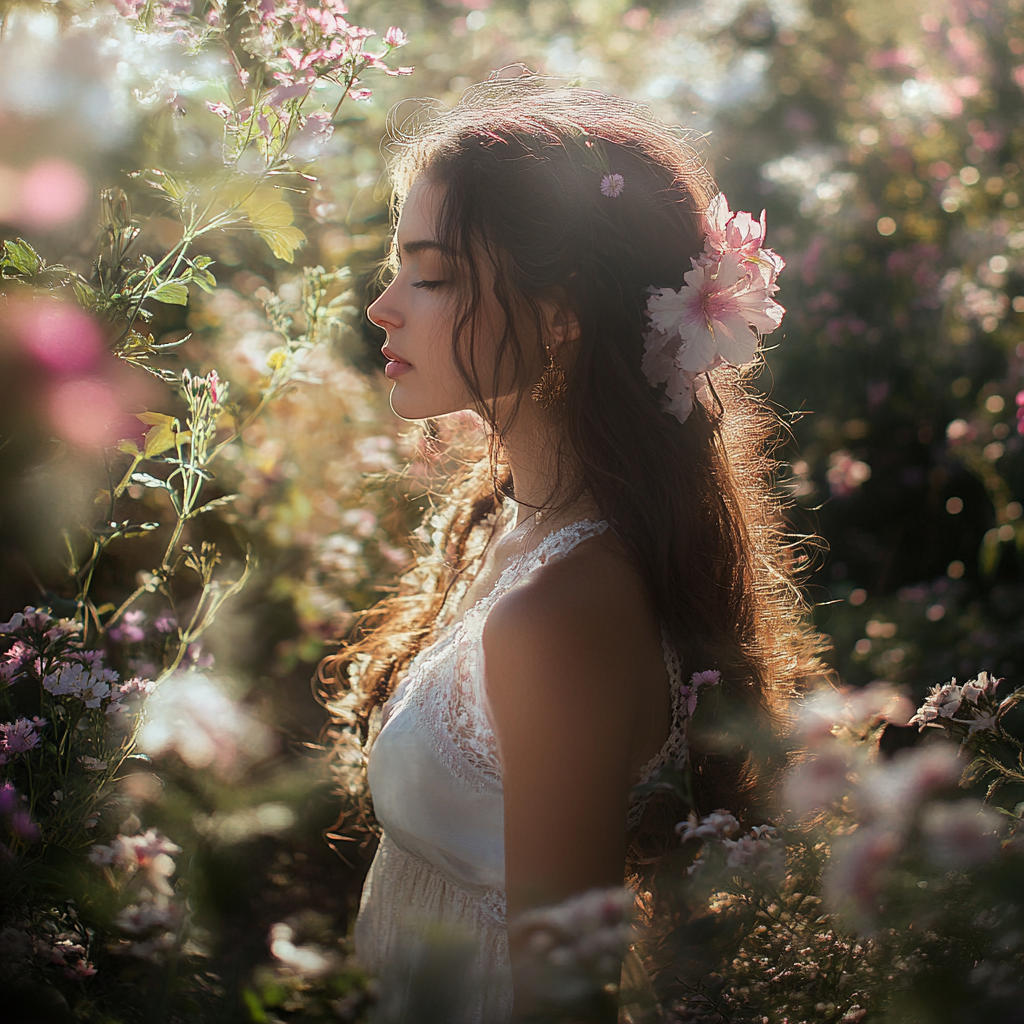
192 716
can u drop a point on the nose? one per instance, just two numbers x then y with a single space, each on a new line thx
382 311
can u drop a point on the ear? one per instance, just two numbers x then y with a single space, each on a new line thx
560 323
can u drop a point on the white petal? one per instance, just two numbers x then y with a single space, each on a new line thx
737 343
698 350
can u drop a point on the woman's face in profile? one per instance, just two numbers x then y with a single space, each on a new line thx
417 311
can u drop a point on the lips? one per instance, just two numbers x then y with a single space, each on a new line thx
392 356
396 364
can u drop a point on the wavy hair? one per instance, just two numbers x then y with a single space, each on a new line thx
521 167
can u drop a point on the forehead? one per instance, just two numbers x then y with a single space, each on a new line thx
418 218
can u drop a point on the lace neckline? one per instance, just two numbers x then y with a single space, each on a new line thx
527 561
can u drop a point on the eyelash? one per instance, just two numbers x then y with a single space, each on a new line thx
428 285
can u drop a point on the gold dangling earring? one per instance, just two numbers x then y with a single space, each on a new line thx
550 389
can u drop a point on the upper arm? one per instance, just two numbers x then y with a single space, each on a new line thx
560 667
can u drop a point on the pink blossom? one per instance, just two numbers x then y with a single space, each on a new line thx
943 701
30 618
731 232
710 677
360 94
21 735
395 37
316 132
858 870
714 313
14 661
140 918
760 852
136 685
151 853
220 109
130 630
165 624
64 628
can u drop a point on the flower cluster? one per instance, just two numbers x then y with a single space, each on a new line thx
715 318
760 851
332 47
149 853
19 737
154 920
975 700
87 680
576 946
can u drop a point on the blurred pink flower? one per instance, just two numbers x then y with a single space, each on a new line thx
60 336
130 630
846 474
857 872
818 782
395 37
53 192
961 832
86 412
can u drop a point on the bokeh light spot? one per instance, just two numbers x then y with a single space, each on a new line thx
53 192
62 337
84 412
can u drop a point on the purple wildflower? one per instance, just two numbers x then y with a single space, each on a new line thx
612 185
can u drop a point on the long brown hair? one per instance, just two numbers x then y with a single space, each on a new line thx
521 167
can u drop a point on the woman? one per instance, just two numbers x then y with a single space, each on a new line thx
564 267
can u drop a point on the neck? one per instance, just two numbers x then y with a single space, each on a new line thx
529 446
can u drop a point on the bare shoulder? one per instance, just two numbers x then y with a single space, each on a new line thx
582 621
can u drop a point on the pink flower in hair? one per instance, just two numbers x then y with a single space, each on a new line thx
715 314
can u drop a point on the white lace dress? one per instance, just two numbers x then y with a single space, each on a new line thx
436 783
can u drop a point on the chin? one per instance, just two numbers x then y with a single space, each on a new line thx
408 406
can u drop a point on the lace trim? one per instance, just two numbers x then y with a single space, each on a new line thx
464 737
445 681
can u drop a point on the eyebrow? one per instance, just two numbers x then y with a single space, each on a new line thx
424 245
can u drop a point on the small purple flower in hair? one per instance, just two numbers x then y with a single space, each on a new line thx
612 185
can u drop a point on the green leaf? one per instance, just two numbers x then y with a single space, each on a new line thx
282 241
20 257
204 279
172 292
86 294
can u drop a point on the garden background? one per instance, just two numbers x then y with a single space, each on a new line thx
884 137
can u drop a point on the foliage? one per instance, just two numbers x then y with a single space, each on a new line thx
885 142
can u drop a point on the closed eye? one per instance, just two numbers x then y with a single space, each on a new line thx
428 285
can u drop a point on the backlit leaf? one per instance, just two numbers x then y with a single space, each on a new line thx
172 292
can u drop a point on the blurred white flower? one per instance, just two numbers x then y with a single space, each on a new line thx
191 715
